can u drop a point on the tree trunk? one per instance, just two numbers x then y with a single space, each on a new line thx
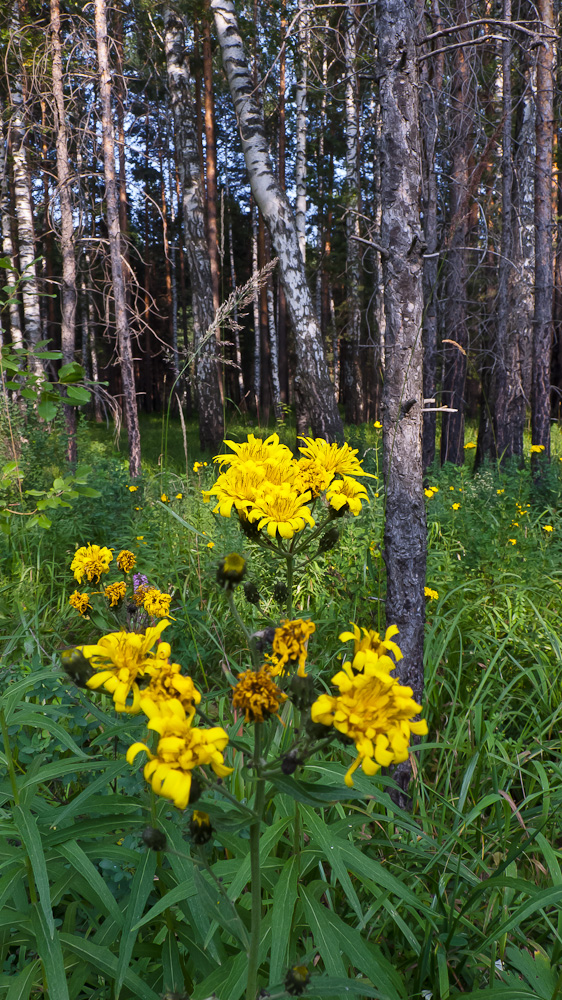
211 423
64 177
16 335
405 537
544 222
281 303
256 313
315 393
211 162
455 353
114 236
432 82
301 100
354 389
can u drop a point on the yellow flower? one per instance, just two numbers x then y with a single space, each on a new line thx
512 540
500 491
346 494
180 749
140 538
332 457
373 710
231 570
311 475
91 561
164 498
456 506
432 594
197 466
470 444
81 602
256 450
377 425
452 488
257 695
119 658
429 494
536 449
237 487
515 524
179 496
282 510
290 646
210 545
133 489
126 560
140 594
156 603
371 641
115 593
168 690
547 527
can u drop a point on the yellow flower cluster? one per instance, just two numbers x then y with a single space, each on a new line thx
81 602
156 603
257 695
271 489
126 560
431 594
91 561
372 708
290 646
169 701
115 592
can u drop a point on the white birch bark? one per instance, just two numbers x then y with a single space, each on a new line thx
16 335
256 311
301 104
211 422
114 236
315 393
354 401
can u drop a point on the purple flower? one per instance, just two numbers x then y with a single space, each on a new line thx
139 580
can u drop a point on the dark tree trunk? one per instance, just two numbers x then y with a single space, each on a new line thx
401 236
544 222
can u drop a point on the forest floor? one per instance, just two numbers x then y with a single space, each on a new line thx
487 799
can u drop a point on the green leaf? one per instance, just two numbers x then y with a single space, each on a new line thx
332 986
46 355
47 410
29 393
99 889
546 897
142 885
325 939
219 909
77 394
72 372
112 770
103 961
50 952
284 898
172 975
6 263
27 829
497 993
314 794
23 983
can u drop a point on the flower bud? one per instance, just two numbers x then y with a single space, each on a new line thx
290 762
76 666
231 570
296 980
195 792
154 839
280 592
329 540
250 528
200 829
302 691
316 730
251 593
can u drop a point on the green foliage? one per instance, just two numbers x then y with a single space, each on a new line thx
460 897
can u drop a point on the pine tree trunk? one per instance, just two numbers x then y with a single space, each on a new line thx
544 222
211 423
354 389
312 383
405 537
69 294
114 237
456 328
256 313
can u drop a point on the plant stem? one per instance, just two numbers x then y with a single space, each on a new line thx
252 981
289 585
249 640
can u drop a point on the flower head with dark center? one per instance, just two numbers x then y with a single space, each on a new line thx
231 570
118 659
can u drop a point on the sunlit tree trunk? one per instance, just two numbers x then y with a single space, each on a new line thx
544 222
114 237
301 105
64 177
315 394
354 389
9 276
211 423
405 536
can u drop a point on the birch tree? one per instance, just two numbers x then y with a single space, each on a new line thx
405 537
301 100
211 422
16 334
114 237
354 387
314 391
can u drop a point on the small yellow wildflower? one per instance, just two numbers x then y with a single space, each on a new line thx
179 496
281 510
537 448
429 493
231 570
432 594
469 444
210 545
452 488
515 524
512 540
456 506
377 425
164 498
257 695
126 560
118 659
346 494
133 489
547 527
197 466
140 538
91 561
156 603
500 491
169 691
81 602
115 593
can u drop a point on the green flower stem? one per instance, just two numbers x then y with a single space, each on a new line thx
255 870
290 559
251 642
310 538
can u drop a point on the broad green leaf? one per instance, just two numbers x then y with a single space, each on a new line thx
103 961
47 355
325 938
312 794
47 409
284 898
72 372
29 393
22 984
99 889
172 975
77 394
50 952
142 885
176 895
27 828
